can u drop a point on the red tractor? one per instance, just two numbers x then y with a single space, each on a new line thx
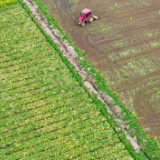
86 16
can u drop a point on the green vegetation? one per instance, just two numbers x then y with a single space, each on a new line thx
45 110
115 5
4 3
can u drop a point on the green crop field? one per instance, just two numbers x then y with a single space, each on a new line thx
44 112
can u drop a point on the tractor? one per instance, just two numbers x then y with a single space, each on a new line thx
85 17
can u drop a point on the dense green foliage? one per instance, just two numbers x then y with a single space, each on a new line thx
4 3
150 147
45 113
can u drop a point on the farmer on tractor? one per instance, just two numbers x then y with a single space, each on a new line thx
86 16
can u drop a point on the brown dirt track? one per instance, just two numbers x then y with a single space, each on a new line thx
124 44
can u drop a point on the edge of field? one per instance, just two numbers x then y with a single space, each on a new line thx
150 148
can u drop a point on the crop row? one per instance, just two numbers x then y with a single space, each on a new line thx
76 147
64 134
19 41
29 85
13 53
14 105
36 122
41 104
29 60
15 30
15 56
24 81
27 80
11 50
27 45
11 25
110 153
43 109
75 151
39 90
18 18
34 60
13 40
31 131
50 133
7 13
30 72
27 53
23 65
66 137
46 91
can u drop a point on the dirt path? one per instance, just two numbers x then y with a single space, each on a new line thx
124 45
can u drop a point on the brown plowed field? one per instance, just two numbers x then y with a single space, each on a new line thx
124 44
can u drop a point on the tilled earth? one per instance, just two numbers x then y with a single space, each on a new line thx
123 44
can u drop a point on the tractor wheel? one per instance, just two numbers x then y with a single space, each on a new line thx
78 22
83 24
91 19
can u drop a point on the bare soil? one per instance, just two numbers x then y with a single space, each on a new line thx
124 45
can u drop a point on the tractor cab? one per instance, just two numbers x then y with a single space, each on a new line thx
85 14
